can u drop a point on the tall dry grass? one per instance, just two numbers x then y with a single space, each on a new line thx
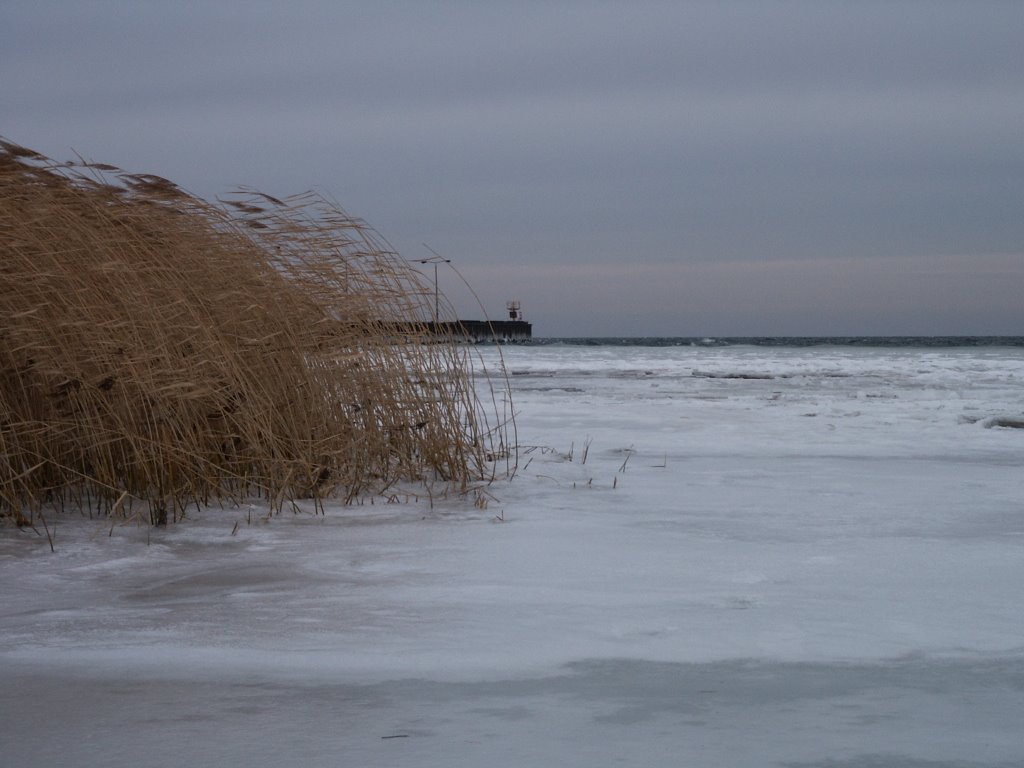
158 350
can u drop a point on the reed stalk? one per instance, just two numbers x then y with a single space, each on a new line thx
159 348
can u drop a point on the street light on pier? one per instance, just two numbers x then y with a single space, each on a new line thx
435 260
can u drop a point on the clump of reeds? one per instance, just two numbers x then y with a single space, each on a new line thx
158 350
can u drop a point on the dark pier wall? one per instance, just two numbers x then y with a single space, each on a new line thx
468 331
484 330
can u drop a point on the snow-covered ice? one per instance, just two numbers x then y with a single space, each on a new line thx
710 556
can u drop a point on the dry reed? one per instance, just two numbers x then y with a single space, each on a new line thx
158 350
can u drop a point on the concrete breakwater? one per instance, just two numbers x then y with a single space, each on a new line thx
481 331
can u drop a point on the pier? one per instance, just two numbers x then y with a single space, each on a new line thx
511 331
483 331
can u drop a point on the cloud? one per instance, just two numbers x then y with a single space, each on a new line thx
570 135
918 295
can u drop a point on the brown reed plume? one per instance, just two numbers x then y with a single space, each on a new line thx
158 350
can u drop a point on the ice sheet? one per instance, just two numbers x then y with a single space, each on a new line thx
708 556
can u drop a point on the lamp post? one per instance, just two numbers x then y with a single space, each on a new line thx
435 260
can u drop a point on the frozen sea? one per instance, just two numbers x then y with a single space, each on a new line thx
711 555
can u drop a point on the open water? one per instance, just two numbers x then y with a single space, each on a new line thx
792 341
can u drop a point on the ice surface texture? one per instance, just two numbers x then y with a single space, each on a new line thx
794 557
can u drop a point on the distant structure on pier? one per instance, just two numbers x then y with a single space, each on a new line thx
510 331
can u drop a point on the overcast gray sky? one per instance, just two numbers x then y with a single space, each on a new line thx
622 168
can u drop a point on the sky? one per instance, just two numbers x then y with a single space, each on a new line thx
637 168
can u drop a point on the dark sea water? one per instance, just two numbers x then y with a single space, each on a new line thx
791 341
